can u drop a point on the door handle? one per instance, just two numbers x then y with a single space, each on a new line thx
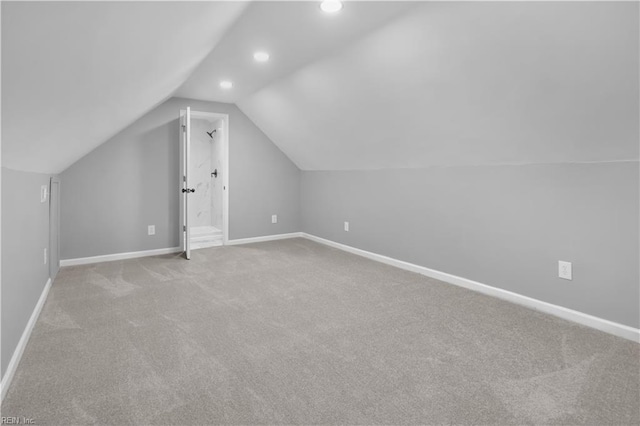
187 190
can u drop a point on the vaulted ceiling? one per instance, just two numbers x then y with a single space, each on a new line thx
465 83
377 85
76 73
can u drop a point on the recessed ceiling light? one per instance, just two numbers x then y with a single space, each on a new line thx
331 6
261 56
226 84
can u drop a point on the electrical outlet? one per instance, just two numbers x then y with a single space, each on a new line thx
346 226
274 218
45 255
151 230
44 189
564 270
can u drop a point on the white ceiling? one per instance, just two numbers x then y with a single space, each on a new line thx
76 73
465 83
295 34
378 85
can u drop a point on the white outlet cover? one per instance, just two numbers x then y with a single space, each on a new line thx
564 270
151 230
346 226
45 255
274 218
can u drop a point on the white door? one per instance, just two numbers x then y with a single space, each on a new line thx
185 139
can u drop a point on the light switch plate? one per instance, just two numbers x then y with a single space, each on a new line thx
44 189
564 270
274 218
346 226
151 230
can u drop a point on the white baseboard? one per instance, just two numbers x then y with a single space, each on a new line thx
265 238
17 353
607 326
156 252
601 324
118 256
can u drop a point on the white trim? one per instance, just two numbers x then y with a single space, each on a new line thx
118 256
225 165
22 344
265 238
182 177
601 324
187 162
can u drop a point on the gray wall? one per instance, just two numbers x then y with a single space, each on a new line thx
504 226
131 181
25 234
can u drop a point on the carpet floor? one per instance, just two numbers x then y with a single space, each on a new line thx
294 332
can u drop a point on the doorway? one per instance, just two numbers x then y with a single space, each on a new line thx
204 171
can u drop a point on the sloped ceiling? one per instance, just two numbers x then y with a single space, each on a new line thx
465 83
76 73
378 85
294 33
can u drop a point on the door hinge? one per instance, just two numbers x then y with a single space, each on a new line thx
184 228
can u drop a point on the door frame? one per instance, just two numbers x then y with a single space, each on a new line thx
225 165
184 140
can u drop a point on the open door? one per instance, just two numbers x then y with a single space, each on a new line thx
185 138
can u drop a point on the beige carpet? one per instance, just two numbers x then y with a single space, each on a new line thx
293 332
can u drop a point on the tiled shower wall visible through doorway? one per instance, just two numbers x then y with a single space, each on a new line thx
216 183
200 205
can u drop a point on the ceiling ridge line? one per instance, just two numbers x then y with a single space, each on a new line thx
334 52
